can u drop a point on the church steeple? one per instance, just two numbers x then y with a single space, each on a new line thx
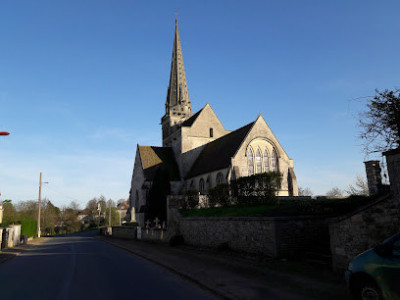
177 106
178 93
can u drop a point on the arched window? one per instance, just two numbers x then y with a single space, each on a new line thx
191 185
274 161
201 186
266 161
211 132
208 183
250 161
258 162
220 178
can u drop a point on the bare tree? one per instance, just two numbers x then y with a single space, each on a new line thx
334 192
380 124
360 187
305 191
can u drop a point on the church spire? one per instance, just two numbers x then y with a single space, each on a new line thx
178 93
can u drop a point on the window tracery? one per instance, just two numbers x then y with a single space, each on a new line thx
258 162
250 161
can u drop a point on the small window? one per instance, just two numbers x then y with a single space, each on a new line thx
208 183
250 161
211 132
220 178
201 186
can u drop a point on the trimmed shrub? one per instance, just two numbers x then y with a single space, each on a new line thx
192 199
219 195
28 227
257 189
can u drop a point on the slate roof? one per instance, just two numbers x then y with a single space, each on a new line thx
189 122
154 158
217 154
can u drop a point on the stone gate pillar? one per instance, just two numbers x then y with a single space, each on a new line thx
393 166
374 178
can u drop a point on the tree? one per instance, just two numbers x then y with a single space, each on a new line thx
381 122
9 212
49 216
360 188
111 211
334 192
70 218
157 200
305 191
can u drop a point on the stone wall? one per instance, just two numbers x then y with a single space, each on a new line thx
296 236
365 228
123 232
273 237
252 235
153 235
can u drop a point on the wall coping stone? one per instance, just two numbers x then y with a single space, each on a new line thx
242 218
391 152
359 209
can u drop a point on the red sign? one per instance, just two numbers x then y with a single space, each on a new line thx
4 133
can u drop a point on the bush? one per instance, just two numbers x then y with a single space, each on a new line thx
29 228
192 199
258 188
219 196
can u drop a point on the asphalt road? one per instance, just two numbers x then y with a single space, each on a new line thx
83 267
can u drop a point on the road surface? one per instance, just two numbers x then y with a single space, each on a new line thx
83 267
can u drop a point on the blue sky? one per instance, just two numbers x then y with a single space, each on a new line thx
83 82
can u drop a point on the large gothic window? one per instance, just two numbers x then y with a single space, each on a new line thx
250 161
201 186
258 162
274 161
266 161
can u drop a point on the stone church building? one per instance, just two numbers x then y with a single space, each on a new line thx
197 151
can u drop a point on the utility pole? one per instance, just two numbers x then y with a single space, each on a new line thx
40 203
109 213
99 210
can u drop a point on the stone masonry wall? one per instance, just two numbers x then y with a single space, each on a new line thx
297 235
273 237
124 232
364 229
252 235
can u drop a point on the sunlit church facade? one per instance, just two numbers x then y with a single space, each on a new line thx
197 151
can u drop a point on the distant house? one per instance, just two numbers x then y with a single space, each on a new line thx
122 209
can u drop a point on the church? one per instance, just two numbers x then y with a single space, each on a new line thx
197 151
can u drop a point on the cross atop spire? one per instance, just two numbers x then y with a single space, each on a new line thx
178 93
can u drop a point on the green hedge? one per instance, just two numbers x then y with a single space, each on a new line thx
28 227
